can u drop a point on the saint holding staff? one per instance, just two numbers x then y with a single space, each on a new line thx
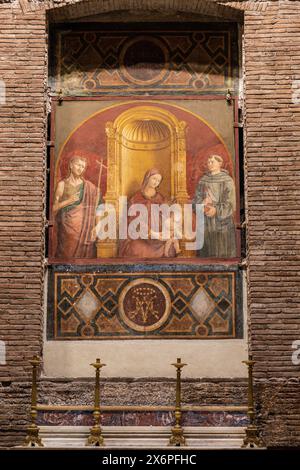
75 203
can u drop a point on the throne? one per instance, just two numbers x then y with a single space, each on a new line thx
141 138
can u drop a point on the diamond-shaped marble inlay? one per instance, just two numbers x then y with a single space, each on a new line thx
224 304
109 305
220 60
201 304
179 304
65 305
87 305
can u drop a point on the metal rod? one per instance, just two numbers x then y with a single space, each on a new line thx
95 438
250 388
32 438
177 438
106 408
252 438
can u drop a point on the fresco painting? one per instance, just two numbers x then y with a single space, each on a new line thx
150 153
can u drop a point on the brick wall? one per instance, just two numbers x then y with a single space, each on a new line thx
22 150
272 52
272 64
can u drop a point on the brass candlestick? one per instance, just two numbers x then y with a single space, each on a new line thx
32 439
95 438
252 438
177 438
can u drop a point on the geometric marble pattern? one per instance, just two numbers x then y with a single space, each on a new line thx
153 304
196 59
202 304
87 305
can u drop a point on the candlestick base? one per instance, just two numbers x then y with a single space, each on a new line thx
252 438
177 439
33 439
95 438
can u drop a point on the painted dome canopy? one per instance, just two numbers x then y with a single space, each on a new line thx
145 131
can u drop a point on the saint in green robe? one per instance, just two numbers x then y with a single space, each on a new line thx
219 230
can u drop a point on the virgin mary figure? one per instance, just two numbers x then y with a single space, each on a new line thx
153 246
